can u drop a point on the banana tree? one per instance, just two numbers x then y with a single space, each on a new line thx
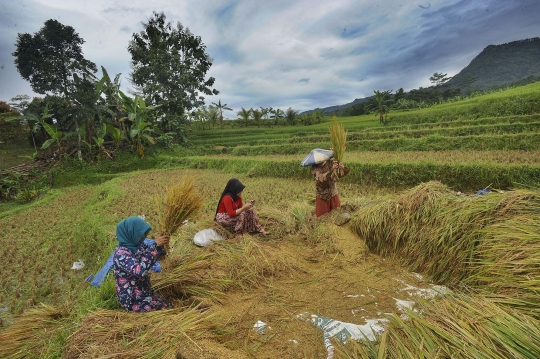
140 130
244 115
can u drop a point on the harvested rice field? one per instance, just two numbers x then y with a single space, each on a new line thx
304 267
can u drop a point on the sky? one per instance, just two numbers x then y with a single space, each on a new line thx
302 54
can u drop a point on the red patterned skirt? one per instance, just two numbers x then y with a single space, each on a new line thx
245 222
323 207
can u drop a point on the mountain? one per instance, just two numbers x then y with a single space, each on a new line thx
337 108
497 65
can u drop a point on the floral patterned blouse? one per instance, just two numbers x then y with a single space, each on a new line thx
131 271
326 174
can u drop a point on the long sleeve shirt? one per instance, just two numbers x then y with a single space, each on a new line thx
326 175
227 205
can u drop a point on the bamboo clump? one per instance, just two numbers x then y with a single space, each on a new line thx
182 202
338 139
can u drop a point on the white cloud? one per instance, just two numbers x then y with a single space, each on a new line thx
265 51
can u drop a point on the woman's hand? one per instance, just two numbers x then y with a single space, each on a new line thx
162 240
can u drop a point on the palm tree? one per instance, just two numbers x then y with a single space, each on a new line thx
257 116
212 115
378 104
291 115
220 108
276 115
266 111
244 114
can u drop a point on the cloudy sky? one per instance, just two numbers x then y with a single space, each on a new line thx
287 53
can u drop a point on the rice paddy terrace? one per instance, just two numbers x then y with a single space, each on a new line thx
425 268
471 144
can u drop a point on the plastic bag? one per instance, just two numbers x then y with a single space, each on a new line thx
206 237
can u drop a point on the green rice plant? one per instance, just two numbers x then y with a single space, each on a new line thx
301 213
338 139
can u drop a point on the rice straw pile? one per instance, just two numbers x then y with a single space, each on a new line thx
458 326
119 334
205 277
490 242
182 202
338 139
30 336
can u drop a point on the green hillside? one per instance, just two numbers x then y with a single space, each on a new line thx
457 141
499 65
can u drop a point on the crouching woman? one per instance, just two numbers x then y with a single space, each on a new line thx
231 212
132 262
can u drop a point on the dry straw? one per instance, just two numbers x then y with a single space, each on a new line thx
30 336
458 326
338 139
489 242
119 334
181 202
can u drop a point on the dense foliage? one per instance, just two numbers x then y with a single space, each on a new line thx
169 67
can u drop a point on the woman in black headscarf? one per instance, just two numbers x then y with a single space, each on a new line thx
231 212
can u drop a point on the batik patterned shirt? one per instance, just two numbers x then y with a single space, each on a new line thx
326 174
131 271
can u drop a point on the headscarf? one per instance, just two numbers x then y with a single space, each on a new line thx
233 187
130 231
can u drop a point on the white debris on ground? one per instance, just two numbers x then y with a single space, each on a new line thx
78 265
426 293
344 331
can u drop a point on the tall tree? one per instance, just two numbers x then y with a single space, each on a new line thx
51 58
220 107
169 65
379 104
439 78
291 115
257 116
276 115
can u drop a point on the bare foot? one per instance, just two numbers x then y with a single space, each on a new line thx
264 232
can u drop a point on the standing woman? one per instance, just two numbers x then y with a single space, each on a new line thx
231 212
132 262
326 174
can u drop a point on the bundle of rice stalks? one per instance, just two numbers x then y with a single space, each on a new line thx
457 326
241 263
188 275
507 265
30 336
118 334
435 232
181 202
249 263
338 139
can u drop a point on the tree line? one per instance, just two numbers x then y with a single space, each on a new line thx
81 112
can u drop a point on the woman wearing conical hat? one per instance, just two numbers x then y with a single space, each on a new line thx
326 175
